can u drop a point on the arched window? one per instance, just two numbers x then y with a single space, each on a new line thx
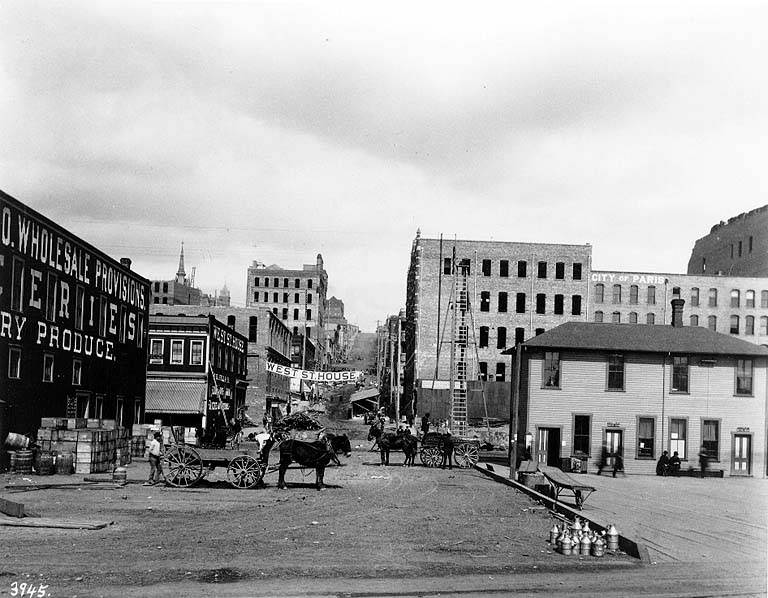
713 297
616 317
633 292
735 298
617 293
650 319
750 298
695 297
749 325
599 292
712 323
633 317
694 320
734 324
598 316
763 325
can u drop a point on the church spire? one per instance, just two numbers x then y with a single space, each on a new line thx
181 275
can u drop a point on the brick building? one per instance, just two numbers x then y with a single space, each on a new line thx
296 297
177 291
738 247
642 390
268 339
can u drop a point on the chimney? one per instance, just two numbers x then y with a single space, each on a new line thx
125 262
231 321
677 312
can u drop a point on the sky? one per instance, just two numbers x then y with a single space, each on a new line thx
274 131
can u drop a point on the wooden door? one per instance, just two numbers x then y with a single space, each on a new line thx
742 454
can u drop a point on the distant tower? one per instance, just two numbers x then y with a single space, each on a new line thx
319 261
224 298
181 275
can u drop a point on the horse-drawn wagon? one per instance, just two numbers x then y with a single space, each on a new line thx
185 465
466 451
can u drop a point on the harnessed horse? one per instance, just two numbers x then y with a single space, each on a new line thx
316 454
388 441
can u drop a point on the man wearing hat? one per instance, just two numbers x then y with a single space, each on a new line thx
155 467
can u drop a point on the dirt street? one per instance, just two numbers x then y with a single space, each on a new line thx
372 522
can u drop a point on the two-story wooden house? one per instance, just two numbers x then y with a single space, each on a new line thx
197 366
641 390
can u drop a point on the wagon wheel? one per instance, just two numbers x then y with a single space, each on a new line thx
466 455
182 466
244 472
430 456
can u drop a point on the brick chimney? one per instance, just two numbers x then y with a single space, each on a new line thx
125 262
231 321
677 312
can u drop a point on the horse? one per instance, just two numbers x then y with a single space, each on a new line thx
339 444
310 454
388 441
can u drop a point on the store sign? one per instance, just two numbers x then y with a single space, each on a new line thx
613 424
615 277
313 376
216 405
742 429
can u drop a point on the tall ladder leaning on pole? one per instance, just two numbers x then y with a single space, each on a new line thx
459 341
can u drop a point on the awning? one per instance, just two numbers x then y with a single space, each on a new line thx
175 396
369 394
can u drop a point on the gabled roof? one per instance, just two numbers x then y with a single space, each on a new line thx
644 338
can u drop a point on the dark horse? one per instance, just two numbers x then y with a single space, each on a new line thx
339 444
388 441
309 454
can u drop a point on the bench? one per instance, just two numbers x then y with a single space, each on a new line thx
561 482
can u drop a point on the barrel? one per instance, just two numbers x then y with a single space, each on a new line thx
17 441
120 475
64 463
44 463
12 455
24 461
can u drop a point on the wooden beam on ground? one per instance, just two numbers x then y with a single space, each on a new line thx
13 509
53 523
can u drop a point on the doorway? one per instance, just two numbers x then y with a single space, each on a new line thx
615 441
548 447
742 454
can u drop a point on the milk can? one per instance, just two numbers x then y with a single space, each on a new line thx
553 534
567 546
612 537
598 547
586 545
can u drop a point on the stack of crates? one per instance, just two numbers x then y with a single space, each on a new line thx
94 443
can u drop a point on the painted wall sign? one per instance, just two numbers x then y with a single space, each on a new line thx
613 424
615 277
742 429
314 376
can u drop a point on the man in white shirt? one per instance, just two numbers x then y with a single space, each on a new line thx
155 467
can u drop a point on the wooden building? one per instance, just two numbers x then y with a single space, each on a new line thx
197 368
641 390
72 326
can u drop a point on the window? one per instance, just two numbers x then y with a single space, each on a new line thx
522 269
551 370
763 325
14 362
599 292
712 297
694 320
296 313
501 371
694 297
47 367
502 302
539 331
616 317
285 283
256 281
165 287
679 373
598 316
731 250
559 304
274 310
560 270
196 352
743 376
712 323
309 298
735 298
651 295
80 307
520 303
734 325
276 282
155 350
119 411
309 283
519 335
617 293
740 248
485 301
576 305
710 438
285 298
50 298
137 411
253 328
256 296
541 301
77 372
177 351
633 317
615 372
309 314
98 407
542 270
483 342
645 437
447 265
486 269
483 370
581 434
275 297
285 313
763 298
749 325
650 319
678 433
749 298
750 244
157 286
501 337
504 268
576 271
296 298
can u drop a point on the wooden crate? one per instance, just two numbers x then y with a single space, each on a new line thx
93 424
75 423
48 422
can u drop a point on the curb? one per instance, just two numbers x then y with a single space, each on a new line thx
627 545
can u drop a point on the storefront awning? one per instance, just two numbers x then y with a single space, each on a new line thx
369 394
175 396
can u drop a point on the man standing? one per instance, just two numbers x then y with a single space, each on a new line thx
424 425
447 450
703 460
155 467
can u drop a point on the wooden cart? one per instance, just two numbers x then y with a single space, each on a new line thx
466 451
185 465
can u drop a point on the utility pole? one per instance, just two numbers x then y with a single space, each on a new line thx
397 379
391 366
513 408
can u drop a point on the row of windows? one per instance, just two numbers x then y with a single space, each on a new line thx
284 314
223 358
645 447
520 303
551 376
14 366
650 296
734 322
276 282
616 317
542 268
740 246
157 287
276 297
